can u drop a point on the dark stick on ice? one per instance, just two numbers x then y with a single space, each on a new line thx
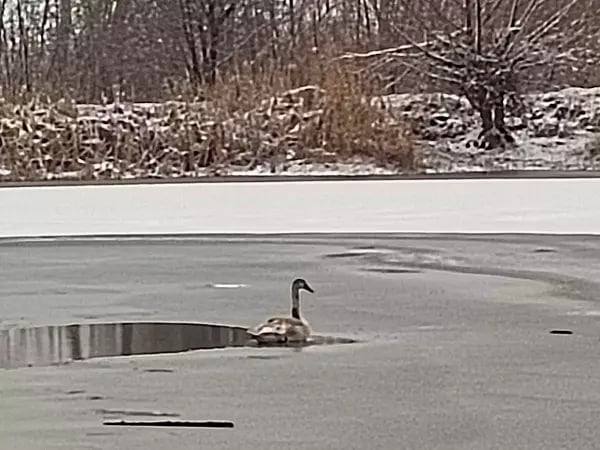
171 423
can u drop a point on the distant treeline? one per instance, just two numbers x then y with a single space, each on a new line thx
150 49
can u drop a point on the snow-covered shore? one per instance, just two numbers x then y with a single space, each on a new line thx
558 131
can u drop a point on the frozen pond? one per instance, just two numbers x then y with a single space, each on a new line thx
455 346
456 335
422 206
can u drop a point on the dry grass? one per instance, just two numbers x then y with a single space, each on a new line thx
313 111
330 115
353 127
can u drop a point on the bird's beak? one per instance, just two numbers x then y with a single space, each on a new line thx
309 289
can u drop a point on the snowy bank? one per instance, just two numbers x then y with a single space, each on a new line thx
555 131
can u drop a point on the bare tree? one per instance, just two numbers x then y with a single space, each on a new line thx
487 50
86 47
65 31
491 51
203 24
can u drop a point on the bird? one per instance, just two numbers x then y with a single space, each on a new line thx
283 330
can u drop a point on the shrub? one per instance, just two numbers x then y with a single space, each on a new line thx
314 111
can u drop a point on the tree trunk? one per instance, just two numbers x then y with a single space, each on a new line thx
494 133
499 123
489 136
210 54
65 26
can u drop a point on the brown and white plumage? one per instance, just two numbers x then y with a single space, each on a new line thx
279 330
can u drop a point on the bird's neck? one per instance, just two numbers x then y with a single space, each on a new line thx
295 303
296 312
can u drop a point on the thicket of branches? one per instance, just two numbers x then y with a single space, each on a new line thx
492 51
274 94
89 47
239 52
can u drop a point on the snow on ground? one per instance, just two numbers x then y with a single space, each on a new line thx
557 130
436 206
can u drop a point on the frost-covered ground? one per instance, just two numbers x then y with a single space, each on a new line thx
554 131
557 131
377 206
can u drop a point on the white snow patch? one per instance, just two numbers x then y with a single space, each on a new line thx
367 251
590 313
226 285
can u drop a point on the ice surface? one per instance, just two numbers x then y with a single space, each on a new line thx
468 206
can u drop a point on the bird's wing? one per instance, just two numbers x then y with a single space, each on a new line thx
277 325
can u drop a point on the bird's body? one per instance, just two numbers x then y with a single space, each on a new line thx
280 330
